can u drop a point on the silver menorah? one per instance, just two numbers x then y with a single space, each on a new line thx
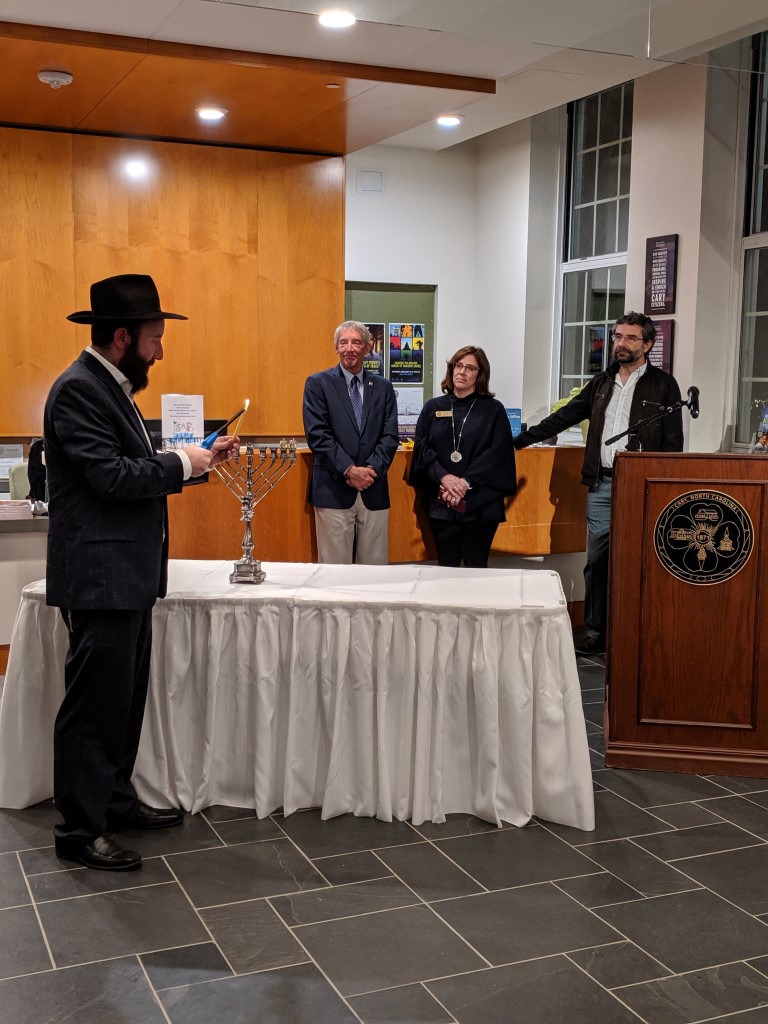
251 475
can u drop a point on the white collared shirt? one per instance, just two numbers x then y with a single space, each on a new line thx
617 415
125 384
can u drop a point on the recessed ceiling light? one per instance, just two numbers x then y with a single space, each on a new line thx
336 19
136 168
449 120
332 85
211 113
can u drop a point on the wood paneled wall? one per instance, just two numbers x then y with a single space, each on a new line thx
547 516
248 244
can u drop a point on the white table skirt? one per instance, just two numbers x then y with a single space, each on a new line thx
394 691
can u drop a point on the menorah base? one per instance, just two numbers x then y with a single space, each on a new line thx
247 572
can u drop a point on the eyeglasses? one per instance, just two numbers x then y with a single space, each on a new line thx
468 368
616 336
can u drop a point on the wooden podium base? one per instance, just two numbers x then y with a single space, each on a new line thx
687 663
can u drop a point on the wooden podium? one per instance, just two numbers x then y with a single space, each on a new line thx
687 662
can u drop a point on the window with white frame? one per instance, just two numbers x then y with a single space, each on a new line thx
594 271
752 410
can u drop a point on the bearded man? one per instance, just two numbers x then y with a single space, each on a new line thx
107 564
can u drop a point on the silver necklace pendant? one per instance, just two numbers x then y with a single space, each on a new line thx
455 456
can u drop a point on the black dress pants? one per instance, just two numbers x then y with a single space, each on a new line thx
459 542
97 730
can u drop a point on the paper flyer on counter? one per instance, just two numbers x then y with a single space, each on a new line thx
182 420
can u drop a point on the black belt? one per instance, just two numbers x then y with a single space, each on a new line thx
605 474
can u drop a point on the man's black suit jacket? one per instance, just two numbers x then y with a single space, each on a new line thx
337 443
108 529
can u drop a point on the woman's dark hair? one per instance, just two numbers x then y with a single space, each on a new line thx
484 372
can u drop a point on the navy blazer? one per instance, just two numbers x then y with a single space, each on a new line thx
337 443
107 517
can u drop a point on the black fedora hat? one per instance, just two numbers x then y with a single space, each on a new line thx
124 297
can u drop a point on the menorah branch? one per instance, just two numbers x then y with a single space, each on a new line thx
251 475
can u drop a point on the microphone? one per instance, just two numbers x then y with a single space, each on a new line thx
693 402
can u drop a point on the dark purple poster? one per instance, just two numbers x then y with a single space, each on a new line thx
660 274
661 353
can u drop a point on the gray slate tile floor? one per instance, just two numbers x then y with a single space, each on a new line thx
659 916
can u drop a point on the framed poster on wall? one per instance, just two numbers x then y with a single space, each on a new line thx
406 353
381 306
374 361
662 352
660 274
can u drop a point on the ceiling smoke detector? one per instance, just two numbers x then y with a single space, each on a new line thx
55 78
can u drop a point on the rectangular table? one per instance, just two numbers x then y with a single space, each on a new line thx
405 692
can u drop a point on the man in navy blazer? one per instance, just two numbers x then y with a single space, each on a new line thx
107 564
350 421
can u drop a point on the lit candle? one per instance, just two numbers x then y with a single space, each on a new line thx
208 442
245 410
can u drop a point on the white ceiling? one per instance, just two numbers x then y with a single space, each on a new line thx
540 52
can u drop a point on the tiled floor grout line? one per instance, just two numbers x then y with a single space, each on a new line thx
439 1003
316 965
619 942
37 915
199 916
447 923
610 992
641 895
435 845
714 853
101 892
697 970
153 990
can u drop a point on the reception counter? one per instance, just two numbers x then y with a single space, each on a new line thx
547 516
22 560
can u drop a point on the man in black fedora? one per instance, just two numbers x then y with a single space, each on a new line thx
107 564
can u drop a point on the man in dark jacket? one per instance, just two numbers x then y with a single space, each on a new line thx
612 401
107 564
350 420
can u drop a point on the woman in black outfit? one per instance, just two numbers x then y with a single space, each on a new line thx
464 459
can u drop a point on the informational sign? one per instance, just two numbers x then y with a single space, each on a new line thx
10 454
182 420
406 353
374 361
662 351
409 405
515 417
660 274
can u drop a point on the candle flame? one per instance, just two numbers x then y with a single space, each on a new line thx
245 409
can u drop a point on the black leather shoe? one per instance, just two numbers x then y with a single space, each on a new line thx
591 644
103 854
145 817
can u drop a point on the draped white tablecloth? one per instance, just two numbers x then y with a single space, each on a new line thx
396 691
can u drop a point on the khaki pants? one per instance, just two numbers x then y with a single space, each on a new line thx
347 535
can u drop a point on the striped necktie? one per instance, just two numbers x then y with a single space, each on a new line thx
357 401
